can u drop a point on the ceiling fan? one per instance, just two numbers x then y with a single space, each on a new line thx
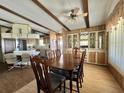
73 14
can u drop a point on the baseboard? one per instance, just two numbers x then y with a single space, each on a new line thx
119 78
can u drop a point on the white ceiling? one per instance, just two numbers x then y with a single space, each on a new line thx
58 7
10 17
98 9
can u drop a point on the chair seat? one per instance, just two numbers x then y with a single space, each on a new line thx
56 79
65 73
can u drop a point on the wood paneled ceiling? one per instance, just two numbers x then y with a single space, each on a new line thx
54 15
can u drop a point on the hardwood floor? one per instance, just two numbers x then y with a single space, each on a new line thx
97 79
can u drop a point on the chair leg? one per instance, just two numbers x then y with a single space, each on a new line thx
11 68
64 86
82 78
38 90
77 86
60 87
80 83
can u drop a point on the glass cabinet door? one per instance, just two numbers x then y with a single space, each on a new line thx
101 40
92 38
70 41
75 40
84 39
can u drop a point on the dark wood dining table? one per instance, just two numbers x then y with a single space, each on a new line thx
67 62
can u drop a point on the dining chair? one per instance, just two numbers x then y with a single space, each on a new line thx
11 59
46 81
25 59
78 73
58 52
76 50
50 54
80 68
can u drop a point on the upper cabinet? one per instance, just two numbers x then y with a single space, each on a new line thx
101 40
21 28
33 36
21 31
84 39
6 35
73 40
92 40
97 40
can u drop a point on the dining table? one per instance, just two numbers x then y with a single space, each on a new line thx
67 62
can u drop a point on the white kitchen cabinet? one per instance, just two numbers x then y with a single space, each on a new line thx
33 36
6 35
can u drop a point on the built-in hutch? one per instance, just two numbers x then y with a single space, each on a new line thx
93 41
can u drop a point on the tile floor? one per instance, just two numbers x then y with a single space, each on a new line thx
97 79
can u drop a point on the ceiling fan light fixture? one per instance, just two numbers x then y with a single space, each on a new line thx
73 16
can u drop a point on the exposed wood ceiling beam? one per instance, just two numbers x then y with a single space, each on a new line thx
6 21
40 32
13 23
5 26
85 10
19 15
49 13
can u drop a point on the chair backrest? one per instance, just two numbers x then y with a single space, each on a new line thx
80 69
76 50
83 55
10 58
58 52
43 52
50 54
40 70
25 57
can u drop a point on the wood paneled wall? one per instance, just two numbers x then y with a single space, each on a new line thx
115 28
119 78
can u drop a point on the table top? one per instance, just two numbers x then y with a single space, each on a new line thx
65 62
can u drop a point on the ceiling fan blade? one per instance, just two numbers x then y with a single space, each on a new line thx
75 10
65 11
83 14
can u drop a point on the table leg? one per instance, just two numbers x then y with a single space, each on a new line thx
70 72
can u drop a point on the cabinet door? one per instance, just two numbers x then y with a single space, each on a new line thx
100 57
101 43
92 57
70 41
75 40
92 39
84 39
6 35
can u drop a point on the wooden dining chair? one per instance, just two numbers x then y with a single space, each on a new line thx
76 50
46 81
11 59
58 52
80 68
25 59
78 72
50 54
